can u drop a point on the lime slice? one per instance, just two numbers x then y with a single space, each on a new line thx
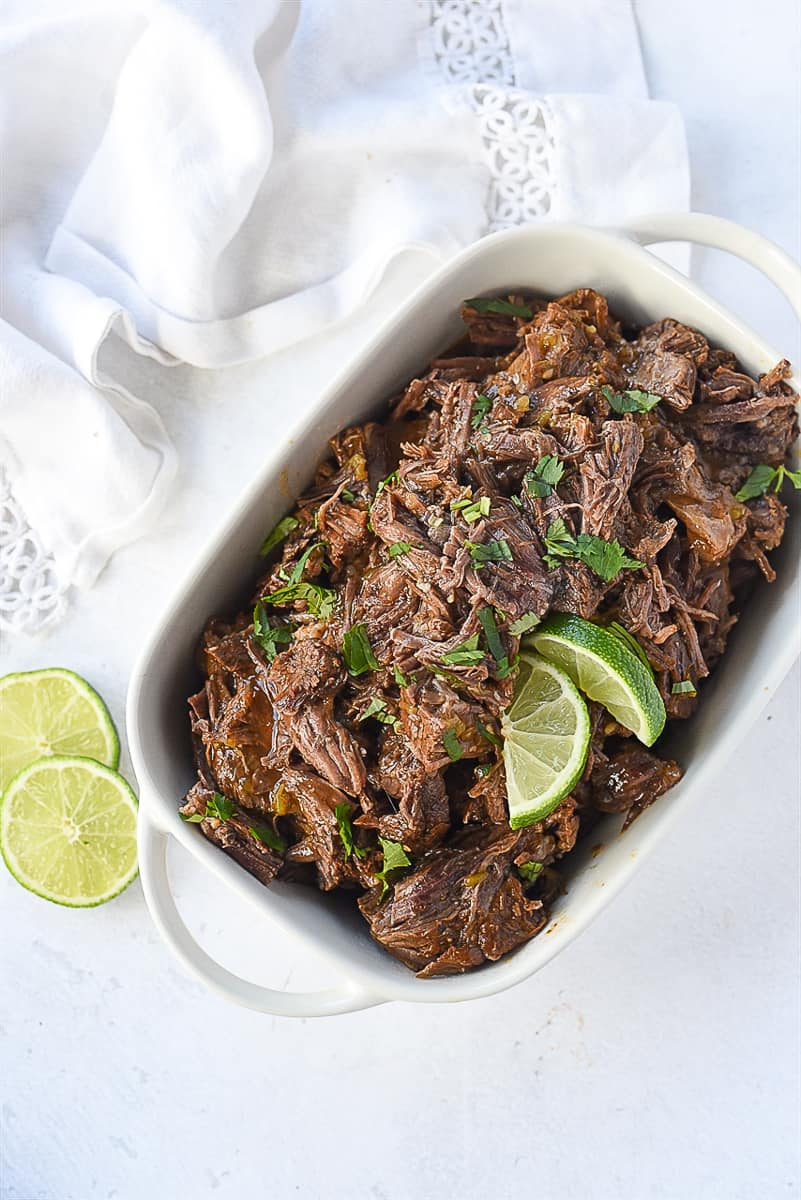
52 712
68 831
605 670
546 734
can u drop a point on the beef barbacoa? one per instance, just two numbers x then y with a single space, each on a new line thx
341 737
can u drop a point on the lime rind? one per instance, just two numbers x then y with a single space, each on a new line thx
84 871
604 669
545 744
48 712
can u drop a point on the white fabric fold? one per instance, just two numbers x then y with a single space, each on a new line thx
89 465
214 180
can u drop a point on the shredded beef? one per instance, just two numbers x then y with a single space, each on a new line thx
348 733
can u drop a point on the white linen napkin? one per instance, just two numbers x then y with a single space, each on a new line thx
216 179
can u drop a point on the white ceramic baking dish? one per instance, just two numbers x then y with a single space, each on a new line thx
550 259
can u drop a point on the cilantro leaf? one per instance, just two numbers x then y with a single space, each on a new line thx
452 745
300 565
217 806
345 831
488 735
606 559
269 637
395 857
545 476
398 548
632 400
684 687
391 478
263 833
319 601
378 708
480 408
495 551
399 676
524 623
465 655
281 531
503 307
762 477
357 651
530 870
494 643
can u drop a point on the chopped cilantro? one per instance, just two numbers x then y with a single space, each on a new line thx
477 509
345 831
319 601
545 476
684 687
378 708
300 565
495 551
217 806
452 745
391 478
762 477
488 735
632 400
398 548
269 637
465 655
263 833
395 857
357 651
524 623
606 559
530 871
399 676
479 411
503 307
494 642
277 535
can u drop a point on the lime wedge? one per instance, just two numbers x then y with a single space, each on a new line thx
52 712
546 734
68 831
604 669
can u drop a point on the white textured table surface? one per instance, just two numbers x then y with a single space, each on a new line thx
656 1058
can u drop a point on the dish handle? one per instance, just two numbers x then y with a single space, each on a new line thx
153 842
722 234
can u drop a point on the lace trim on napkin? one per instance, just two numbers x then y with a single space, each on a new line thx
469 41
30 593
468 45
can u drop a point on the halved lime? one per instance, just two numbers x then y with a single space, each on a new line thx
604 669
52 712
546 735
68 830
